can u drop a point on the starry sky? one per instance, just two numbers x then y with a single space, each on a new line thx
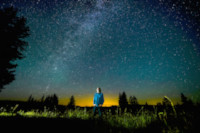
147 48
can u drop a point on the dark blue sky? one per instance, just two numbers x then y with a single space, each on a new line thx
147 48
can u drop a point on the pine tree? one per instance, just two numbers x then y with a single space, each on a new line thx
123 103
13 31
133 100
71 103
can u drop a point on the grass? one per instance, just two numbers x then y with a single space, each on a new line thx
126 120
142 120
130 121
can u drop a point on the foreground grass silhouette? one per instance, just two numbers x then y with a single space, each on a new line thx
75 120
83 120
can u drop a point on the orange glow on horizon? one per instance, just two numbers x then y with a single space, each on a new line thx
88 101
111 101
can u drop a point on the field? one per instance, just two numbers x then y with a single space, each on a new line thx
113 120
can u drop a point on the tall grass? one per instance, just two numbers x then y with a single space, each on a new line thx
126 120
170 122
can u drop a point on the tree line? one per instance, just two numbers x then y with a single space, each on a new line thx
167 103
50 102
131 103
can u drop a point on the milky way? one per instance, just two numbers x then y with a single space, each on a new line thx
146 48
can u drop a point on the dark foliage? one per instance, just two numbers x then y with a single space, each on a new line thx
13 31
133 104
123 103
186 122
187 103
71 103
133 100
49 102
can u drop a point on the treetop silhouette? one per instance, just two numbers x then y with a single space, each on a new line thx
71 103
123 103
13 31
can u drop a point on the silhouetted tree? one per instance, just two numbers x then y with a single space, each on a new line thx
31 99
42 99
13 30
133 104
55 100
51 101
123 103
159 107
71 103
159 104
32 103
186 102
183 98
133 101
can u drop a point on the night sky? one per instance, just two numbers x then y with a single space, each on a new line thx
147 48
